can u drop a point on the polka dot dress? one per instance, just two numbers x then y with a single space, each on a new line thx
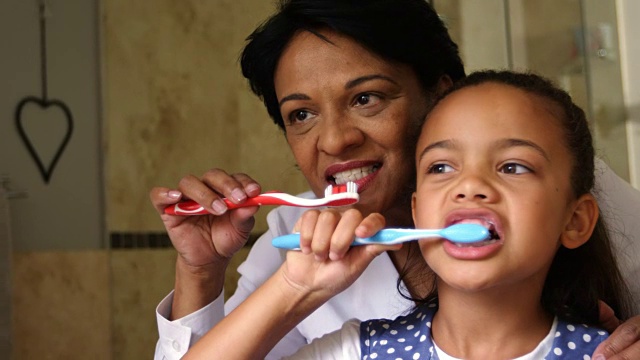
409 337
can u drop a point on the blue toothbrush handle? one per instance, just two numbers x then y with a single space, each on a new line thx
290 242
462 233
384 236
393 236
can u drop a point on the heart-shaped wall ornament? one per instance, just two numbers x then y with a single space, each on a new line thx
45 169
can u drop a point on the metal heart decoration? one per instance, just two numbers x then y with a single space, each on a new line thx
45 169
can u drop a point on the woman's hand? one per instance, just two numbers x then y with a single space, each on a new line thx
327 264
624 342
205 243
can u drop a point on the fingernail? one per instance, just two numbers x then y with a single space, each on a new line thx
174 194
599 357
238 195
252 188
219 207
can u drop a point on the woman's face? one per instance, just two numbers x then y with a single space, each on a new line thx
351 116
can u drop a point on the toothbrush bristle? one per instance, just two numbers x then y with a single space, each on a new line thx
345 194
328 191
349 187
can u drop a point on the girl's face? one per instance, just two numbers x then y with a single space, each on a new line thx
494 155
351 116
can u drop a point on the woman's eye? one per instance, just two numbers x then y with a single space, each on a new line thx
513 168
366 100
439 169
299 116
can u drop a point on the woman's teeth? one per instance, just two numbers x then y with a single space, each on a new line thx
353 174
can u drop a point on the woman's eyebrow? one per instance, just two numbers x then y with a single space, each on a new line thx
294 96
350 84
357 81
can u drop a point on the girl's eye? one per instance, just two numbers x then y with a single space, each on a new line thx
513 168
439 169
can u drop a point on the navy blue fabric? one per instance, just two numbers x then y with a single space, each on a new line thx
409 337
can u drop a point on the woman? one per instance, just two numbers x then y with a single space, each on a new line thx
363 74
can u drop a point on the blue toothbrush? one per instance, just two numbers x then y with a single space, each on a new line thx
462 233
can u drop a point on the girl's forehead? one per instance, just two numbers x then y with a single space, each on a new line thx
492 110
497 99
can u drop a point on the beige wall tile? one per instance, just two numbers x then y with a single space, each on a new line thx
174 102
140 279
61 305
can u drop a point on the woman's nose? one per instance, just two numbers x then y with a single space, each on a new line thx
339 133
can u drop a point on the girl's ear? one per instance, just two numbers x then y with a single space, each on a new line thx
581 223
413 207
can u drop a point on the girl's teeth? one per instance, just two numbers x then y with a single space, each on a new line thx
477 244
353 174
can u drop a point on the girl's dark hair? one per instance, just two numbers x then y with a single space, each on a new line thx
402 31
578 278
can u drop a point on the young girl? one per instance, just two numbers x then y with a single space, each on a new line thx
505 150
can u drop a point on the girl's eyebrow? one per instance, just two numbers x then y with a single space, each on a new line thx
443 144
502 144
507 143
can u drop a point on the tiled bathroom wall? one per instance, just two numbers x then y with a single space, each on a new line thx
175 103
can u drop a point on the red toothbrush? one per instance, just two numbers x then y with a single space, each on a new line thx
334 195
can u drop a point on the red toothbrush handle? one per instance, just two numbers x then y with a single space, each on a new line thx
190 207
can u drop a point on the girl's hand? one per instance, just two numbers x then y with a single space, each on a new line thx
327 264
624 342
208 239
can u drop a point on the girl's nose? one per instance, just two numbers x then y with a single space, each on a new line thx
474 187
338 134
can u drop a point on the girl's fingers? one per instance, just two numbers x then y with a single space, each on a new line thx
370 225
306 226
329 233
322 235
343 235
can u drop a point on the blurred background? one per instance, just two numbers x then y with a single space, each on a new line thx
154 91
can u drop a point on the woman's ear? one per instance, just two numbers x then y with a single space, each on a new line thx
581 223
444 83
